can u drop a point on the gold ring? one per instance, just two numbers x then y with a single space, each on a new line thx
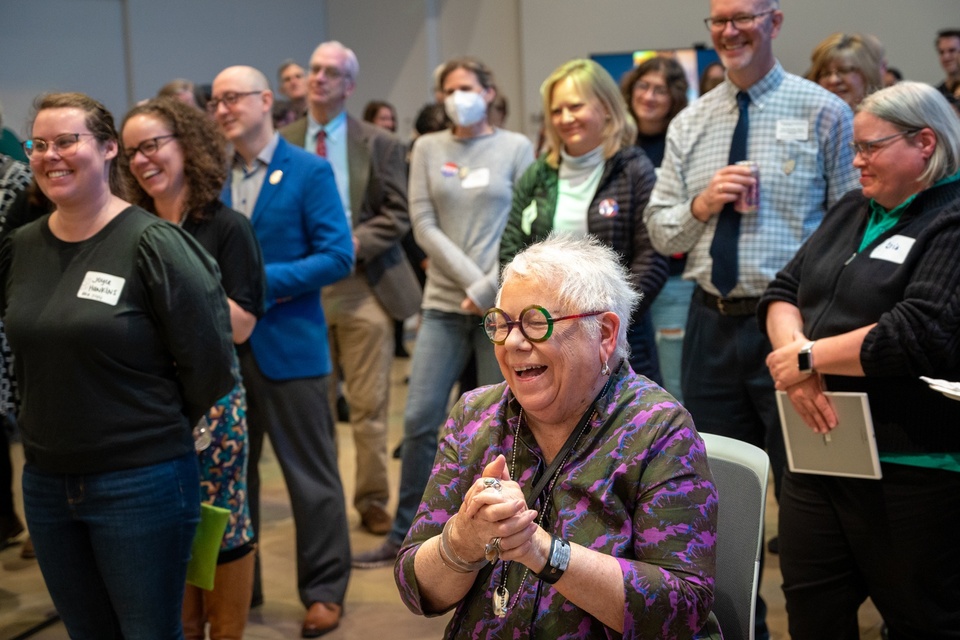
720 187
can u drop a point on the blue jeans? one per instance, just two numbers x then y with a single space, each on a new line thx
669 312
113 547
444 343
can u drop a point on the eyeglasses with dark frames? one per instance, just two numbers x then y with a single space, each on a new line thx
230 99
741 22
535 323
148 147
867 148
64 145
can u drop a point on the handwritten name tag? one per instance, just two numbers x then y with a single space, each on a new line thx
793 130
895 249
101 287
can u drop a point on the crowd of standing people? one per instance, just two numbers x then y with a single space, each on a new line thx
227 266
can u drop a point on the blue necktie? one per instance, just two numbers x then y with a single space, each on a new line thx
726 237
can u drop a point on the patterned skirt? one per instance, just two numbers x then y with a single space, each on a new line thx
223 464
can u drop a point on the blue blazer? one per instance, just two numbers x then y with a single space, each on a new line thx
306 245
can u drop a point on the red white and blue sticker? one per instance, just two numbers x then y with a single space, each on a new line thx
449 169
608 208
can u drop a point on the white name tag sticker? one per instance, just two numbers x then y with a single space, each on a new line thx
793 130
101 287
894 249
527 217
476 179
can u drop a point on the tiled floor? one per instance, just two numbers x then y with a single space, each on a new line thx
373 608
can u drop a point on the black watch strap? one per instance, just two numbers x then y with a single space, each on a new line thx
557 562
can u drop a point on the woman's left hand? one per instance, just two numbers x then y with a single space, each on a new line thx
783 363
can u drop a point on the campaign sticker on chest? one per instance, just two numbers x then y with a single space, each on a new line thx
101 287
476 179
894 249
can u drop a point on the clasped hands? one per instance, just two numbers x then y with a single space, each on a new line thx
805 390
494 521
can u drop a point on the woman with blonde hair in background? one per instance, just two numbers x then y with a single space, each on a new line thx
848 65
592 180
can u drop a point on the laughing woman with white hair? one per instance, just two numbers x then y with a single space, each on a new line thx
574 499
870 303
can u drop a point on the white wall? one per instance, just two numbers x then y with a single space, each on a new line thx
77 44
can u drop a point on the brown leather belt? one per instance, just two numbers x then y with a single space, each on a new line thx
727 306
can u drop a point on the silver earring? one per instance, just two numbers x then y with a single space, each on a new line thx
605 369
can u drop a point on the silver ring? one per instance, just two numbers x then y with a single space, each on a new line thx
492 483
491 551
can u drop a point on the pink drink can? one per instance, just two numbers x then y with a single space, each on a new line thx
749 199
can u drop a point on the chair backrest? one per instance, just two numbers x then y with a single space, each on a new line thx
740 472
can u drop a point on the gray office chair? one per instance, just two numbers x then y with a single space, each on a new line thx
740 473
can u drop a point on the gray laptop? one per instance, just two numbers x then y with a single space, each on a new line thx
849 450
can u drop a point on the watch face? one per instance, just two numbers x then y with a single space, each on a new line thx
803 361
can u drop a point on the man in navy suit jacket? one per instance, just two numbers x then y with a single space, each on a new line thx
291 199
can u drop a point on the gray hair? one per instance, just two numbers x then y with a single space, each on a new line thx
584 274
914 105
350 63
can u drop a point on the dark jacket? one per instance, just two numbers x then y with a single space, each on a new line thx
908 282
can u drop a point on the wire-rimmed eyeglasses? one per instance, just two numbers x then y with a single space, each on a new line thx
64 145
867 148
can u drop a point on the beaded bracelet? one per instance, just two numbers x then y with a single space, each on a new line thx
450 559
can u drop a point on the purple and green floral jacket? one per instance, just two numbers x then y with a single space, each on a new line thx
637 487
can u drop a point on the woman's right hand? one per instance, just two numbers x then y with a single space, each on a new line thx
494 511
812 404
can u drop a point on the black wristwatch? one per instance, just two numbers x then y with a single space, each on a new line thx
805 357
557 562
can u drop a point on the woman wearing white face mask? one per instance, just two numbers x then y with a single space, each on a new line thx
461 185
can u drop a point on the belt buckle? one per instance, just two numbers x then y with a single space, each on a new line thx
720 308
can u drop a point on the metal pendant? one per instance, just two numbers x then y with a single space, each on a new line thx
501 600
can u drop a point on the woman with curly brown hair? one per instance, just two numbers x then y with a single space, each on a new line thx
173 159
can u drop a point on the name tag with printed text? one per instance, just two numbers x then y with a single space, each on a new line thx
101 287
788 130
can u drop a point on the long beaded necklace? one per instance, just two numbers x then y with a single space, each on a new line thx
501 595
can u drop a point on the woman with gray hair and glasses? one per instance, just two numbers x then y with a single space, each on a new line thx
574 499
869 304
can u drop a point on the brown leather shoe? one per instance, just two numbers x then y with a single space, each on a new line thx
376 520
322 617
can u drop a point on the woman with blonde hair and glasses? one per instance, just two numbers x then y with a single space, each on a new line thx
592 180
848 65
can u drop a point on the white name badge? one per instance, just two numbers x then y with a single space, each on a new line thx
895 249
101 287
476 179
793 130
527 217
